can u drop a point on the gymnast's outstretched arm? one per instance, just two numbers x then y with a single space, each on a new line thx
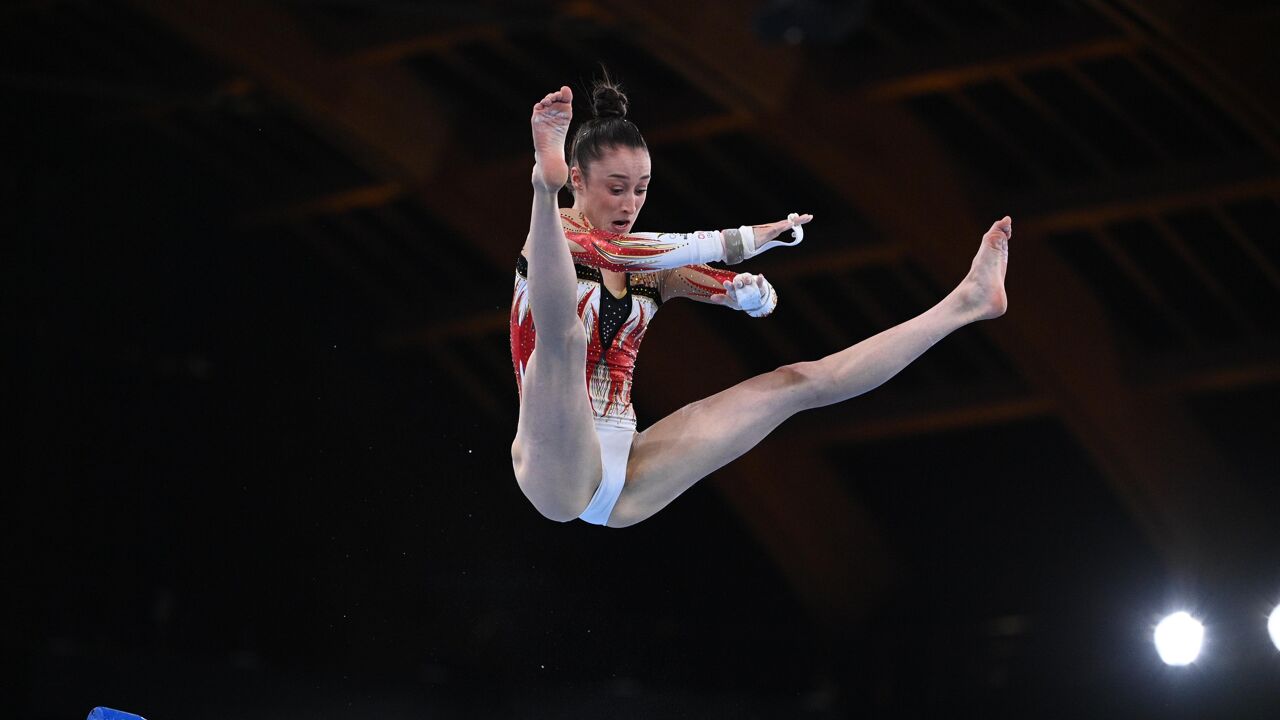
648 252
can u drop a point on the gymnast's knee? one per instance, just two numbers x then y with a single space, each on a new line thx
550 504
569 343
556 514
517 457
800 385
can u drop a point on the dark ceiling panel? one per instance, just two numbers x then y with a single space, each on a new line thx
1187 90
1037 136
1246 424
1238 273
279 160
1174 127
982 155
791 187
972 17
905 23
1137 314
1105 131
1039 501
1181 290
808 329
1258 219
360 26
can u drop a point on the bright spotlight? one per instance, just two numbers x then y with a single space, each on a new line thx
1178 638
1273 626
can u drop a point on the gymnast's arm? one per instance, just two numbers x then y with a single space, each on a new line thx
749 293
649 252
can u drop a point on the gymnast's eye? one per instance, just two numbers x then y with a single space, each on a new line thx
641 190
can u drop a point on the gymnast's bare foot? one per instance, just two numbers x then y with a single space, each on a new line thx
981 295
550 121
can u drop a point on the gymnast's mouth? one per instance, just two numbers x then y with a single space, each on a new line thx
620 225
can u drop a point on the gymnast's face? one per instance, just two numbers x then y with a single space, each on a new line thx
613 189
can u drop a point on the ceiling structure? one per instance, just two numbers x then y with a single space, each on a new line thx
1138 153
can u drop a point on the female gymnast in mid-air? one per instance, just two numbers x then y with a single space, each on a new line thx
593 285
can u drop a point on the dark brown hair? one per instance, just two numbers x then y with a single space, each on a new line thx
608 128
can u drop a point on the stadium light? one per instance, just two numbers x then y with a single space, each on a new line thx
1178 638
1273 626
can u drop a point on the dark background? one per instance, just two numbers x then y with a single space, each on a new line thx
257 274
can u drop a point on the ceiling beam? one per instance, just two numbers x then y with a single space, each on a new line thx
952 77
1062 219
736 70
374 195
1174 384
163 109
929 421
393 51
1234 376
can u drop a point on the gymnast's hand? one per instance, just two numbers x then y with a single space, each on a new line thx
758 238
768 231
750 293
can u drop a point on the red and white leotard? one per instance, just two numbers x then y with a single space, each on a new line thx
657 270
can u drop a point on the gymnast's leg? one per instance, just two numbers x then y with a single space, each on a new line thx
556 455
682 448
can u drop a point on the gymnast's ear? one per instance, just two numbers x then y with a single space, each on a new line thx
577 181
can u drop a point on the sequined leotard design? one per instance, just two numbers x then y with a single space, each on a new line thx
614 326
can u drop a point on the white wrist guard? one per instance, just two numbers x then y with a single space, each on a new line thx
740 244
754 301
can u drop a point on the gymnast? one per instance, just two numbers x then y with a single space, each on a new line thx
593 285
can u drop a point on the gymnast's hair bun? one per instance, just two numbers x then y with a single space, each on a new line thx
607 100
600 135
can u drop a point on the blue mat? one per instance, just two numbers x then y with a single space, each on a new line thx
102 713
